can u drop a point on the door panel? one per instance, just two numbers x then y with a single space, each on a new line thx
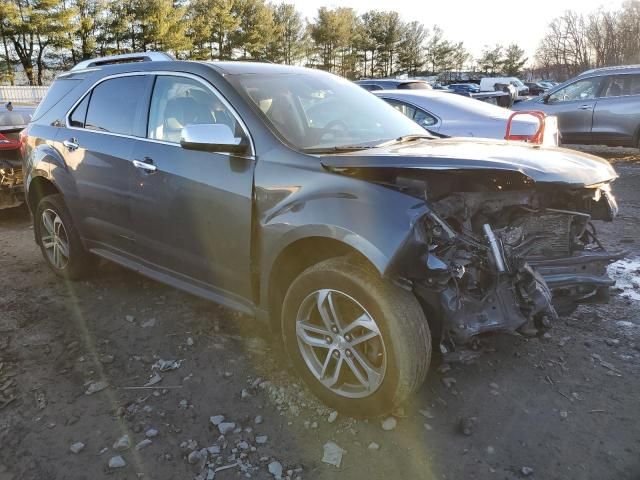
193 213
616 119
101 166
98 145
574 106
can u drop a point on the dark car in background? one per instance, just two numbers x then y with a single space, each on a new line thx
358 237
12 122
464 88
600 106
536 88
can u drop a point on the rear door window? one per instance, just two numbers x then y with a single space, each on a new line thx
622 85
118 105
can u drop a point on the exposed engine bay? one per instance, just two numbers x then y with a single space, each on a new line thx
502 253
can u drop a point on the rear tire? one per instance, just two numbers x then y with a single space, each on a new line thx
362 370
59 241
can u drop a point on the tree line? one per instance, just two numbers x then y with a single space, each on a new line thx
576 42
41 37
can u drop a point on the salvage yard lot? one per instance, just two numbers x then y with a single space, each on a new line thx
564 406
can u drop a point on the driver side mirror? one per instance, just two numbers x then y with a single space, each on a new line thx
211 137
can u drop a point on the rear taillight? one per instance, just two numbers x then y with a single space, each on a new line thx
538 137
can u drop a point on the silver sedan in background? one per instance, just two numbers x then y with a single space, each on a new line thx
451 115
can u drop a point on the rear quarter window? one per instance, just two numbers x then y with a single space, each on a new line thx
57 91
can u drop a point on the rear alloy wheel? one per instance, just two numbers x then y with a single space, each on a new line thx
360 343
54 239
59 241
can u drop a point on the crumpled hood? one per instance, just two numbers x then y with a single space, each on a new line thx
541 164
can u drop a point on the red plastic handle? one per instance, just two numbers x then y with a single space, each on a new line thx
537 137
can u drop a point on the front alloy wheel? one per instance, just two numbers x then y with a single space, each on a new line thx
341 343
361 343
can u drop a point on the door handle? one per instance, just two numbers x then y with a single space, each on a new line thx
147 165
71 144
585 107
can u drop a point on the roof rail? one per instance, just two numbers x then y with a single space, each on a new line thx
124 58
608 69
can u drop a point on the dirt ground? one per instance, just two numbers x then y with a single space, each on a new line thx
566 406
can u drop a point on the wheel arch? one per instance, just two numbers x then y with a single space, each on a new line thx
296 257
40 187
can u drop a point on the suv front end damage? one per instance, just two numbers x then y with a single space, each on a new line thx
497 250
511 260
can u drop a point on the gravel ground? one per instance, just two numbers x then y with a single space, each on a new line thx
79 362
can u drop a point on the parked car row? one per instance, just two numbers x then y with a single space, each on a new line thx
300 199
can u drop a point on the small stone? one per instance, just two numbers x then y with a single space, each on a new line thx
564 414
216 420
143 444
130 318
275 469
373 446
76 447
214 450
117 462
190 342
194 457
183 404
428 427
123 443
107 359
227 374
245 394
449 381
494 386
148 323
261 439
314 424
389 423
226 427
491 450
444 368
332 417
95 387
332 454
467 425
151 433
526 471
612 342
258 420
426 414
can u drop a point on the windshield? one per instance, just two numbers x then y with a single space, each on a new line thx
316 111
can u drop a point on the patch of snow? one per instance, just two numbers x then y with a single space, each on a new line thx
626 273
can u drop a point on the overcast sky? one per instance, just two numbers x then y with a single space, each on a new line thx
475 22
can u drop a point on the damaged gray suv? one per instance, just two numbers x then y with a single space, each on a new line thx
298 198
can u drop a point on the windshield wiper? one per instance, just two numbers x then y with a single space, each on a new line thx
337 149
407 138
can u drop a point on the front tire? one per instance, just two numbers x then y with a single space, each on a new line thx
361 343
59 241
